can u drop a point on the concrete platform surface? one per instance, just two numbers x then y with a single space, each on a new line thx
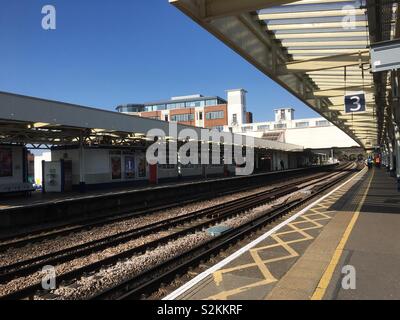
38 198
352 236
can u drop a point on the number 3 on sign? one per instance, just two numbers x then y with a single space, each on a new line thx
355 102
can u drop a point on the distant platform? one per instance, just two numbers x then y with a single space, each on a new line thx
19 214
38 198
352 231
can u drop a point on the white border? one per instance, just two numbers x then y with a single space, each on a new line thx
251 245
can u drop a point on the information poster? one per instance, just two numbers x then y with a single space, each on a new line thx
116 167
142 167
129 167
6 165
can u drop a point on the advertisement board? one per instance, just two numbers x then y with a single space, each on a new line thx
6 164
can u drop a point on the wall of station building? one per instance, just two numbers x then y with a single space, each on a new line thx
104 167
319 137
311 133
311 137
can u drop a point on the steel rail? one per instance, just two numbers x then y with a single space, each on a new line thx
25 267
225 210
135 287
218 213
54 232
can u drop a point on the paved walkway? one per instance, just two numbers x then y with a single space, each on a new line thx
356 227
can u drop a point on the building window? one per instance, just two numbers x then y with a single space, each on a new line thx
131 109
218 128
195 104
148 108
302 124
263 128
247 129
178 105
156 107
280 126
283 115
212 102
234 119
183 117
215 115
322 123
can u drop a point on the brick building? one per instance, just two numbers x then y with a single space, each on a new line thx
196 110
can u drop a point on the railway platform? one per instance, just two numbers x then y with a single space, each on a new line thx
38 198
345 245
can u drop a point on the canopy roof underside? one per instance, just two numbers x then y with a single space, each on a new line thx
317 50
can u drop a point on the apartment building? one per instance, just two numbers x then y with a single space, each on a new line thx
211 112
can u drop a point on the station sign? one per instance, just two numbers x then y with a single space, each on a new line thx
355 102
385 56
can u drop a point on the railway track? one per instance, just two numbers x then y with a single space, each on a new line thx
149 281
189 223
88 224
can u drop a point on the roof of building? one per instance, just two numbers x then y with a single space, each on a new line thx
29 120
184 99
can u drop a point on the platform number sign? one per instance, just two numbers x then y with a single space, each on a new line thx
355 102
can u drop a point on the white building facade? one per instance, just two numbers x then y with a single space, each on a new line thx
311 133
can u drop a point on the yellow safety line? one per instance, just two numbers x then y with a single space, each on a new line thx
327 276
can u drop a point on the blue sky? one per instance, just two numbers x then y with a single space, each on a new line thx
106 52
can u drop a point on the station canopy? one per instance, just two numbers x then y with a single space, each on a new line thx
42 124
317 50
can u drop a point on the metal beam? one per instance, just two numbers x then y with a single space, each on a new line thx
323 51
321 44
311 14
329 62
340 91
213 9
303 2
314 25
323 35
